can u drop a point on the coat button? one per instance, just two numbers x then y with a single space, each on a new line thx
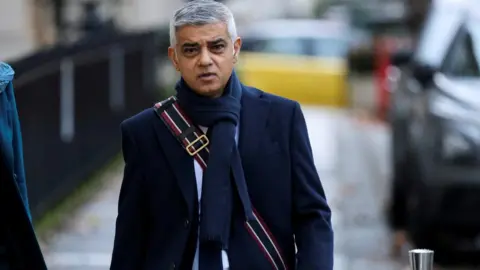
186 223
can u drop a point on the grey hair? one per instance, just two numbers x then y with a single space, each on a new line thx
202 12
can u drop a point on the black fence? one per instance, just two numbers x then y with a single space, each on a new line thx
71 100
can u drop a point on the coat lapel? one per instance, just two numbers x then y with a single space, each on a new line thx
253 121
180 162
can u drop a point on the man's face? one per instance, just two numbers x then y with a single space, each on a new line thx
205 56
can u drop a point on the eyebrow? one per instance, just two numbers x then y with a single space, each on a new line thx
190 44
210 43
216 41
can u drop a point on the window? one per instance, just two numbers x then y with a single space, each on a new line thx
436 36
290 46
321 47
249 44
463 58
326 47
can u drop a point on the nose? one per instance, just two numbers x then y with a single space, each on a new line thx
205 58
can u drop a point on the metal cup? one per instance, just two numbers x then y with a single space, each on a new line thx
421 259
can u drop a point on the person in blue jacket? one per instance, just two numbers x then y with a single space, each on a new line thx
19 248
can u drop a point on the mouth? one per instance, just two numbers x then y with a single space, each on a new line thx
207 76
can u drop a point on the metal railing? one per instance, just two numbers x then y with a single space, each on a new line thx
71 100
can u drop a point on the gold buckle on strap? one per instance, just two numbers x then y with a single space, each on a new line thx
202 138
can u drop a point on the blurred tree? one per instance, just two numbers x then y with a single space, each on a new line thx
91 21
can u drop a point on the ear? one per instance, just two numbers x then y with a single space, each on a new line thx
172 54
237 45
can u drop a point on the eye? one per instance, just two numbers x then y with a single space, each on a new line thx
218 47
189 50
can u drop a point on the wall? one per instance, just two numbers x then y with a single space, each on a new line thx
15 33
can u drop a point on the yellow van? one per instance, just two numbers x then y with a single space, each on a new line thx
304 60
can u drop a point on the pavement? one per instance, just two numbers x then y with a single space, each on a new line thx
351 155
85 242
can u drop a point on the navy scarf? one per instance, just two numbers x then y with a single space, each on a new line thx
221 115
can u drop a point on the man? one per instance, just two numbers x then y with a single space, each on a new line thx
19 248
225 207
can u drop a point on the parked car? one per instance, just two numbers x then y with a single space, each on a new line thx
435 120
304 60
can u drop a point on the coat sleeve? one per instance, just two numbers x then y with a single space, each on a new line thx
129 244
19 167
312 226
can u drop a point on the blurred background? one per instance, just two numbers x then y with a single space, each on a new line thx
388 87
